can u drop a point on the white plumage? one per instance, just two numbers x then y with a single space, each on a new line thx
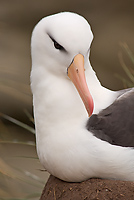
64 146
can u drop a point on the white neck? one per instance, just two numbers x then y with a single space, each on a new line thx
65 148
57 102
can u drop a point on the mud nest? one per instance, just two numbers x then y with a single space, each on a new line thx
92 189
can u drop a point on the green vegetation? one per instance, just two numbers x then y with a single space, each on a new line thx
129 71
17 182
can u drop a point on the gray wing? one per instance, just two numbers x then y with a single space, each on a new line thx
115 124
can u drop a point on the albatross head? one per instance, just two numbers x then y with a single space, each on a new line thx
60 48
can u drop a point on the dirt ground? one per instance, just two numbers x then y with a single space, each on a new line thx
93 189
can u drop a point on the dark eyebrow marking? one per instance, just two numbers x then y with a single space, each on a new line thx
56 44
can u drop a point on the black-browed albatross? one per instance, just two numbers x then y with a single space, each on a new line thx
71 144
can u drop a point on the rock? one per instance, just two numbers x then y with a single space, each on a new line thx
92 189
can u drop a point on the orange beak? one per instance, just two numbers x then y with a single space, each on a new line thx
77 75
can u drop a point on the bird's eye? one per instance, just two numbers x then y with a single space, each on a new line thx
57 45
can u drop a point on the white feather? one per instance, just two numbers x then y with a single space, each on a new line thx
65 148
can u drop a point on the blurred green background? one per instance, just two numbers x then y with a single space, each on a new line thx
112 23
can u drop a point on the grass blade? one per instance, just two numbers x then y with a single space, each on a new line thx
128 72
17 122
16 142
